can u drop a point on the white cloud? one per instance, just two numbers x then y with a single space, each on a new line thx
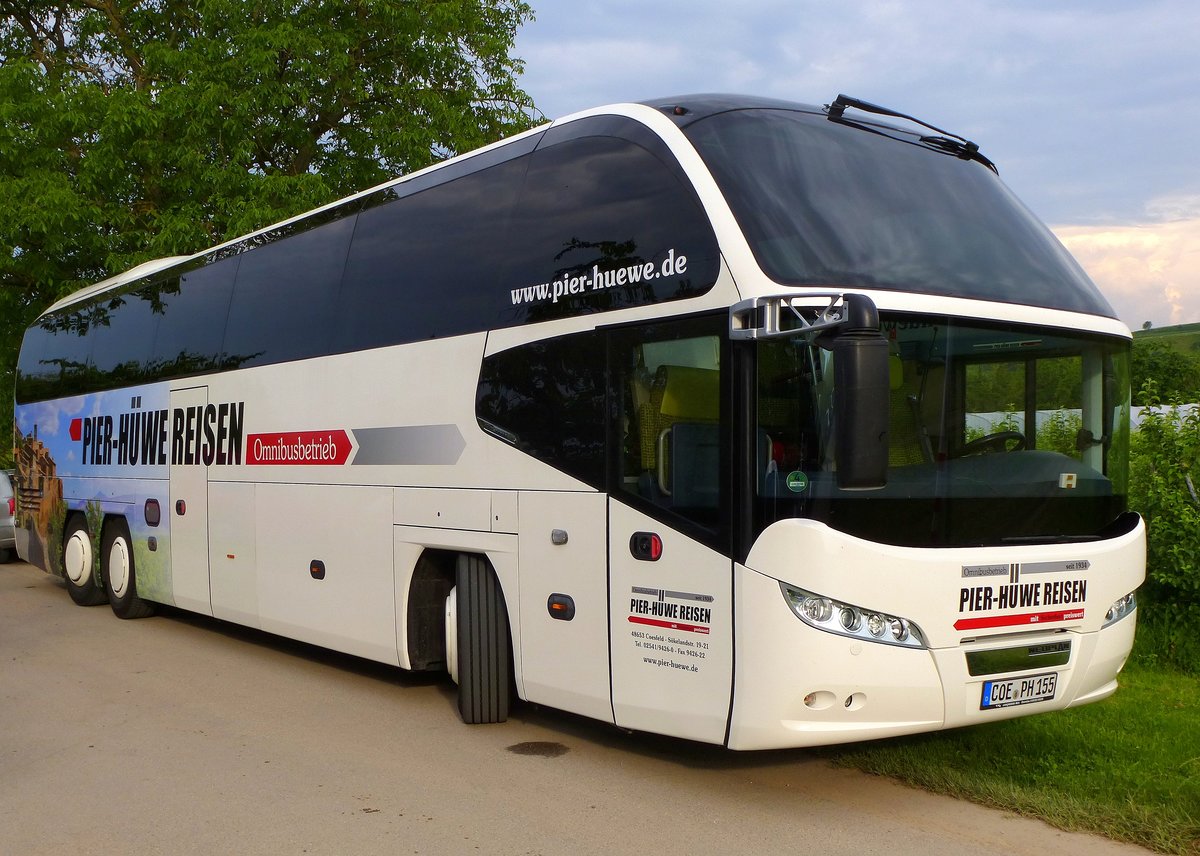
1175 206
1149 272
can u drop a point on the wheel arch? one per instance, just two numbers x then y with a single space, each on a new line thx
430 583
422 594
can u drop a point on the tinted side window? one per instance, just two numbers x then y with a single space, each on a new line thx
55 358
429 265
194 308
32 381
547 399
122 338
603 223
285 296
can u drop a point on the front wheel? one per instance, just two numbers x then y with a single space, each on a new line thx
478 649
79 565
118 572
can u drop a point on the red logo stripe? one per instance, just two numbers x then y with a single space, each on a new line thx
1018 620
669 625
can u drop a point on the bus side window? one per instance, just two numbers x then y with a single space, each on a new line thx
670 422
55 361
191 326
121 341
547 399
613 222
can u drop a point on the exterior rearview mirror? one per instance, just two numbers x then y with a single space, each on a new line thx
860 398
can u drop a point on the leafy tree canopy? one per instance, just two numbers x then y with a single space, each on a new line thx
134 129
1175 374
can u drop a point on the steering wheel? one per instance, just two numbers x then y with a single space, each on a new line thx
1001 441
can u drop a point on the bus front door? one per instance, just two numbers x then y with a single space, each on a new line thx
670 629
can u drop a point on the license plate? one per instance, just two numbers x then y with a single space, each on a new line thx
1016 691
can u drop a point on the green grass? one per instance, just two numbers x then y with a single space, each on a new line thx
1181 337
1127 767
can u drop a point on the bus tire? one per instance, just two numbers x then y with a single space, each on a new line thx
79 564
118 571
483 646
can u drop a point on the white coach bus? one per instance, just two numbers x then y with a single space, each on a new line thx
660 413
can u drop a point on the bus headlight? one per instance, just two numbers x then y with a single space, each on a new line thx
1120 608
817 610
846 619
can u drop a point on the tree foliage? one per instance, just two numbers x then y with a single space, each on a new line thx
1175 374
134 129
1165 489
998 386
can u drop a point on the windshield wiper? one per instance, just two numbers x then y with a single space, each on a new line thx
946 142
1031 540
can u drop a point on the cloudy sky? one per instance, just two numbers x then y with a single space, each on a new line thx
1090 108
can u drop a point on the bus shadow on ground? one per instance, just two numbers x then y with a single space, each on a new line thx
563 729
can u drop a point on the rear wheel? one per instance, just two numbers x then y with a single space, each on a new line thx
79 564
119 578
482 656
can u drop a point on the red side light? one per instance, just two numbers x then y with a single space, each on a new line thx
646 546
12 506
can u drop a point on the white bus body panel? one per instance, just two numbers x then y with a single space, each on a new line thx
892 691
233 553
189 521
782 661
564 664
352 607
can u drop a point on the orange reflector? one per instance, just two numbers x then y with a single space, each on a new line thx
560 606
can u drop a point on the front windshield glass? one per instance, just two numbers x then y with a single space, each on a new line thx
860 206
998 434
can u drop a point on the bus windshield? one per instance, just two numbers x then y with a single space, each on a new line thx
860 205
997 434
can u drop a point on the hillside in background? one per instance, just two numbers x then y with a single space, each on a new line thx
1181 337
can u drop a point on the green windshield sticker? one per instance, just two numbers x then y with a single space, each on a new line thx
797 481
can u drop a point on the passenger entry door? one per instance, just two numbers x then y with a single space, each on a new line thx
670 584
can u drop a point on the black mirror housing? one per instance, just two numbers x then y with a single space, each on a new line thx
861 394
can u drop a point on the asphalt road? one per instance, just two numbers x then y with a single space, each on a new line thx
179 734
